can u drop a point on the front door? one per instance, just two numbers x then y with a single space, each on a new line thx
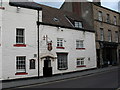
47 69
98 58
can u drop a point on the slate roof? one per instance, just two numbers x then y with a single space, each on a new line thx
65 18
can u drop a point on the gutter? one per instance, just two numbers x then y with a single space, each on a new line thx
79 29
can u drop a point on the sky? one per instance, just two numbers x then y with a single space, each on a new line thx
111 4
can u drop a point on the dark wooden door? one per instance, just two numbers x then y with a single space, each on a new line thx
47 69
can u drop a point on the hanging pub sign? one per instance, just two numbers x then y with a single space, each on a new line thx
49 46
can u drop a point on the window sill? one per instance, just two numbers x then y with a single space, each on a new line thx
60 47
106 22
19 45
81 66
80 48
62 68
21 73
2 8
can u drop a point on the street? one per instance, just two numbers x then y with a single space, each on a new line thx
107 79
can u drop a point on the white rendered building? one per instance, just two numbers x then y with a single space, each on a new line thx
66 42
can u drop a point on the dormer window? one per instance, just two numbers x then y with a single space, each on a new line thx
78 24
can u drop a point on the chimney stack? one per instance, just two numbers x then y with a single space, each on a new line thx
97 2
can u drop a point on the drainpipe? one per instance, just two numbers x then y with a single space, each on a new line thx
38 41
1 3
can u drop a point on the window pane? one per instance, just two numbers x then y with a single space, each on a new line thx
59 42
100 15
20 36
62 61
20 64
80 61
116 36
101 34
79 44
78 24
108 18
109 36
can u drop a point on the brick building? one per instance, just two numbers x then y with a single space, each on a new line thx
106 24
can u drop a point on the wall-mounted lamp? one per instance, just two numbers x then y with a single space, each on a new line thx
58 27
18 9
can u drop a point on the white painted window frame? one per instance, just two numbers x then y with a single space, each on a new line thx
20 64
80 61
60 42
79 43
20 36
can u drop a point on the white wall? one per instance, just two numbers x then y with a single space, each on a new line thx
0 44
70 36
25 19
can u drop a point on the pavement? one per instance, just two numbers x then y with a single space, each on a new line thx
18 83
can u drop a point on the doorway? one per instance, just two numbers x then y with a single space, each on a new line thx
47 69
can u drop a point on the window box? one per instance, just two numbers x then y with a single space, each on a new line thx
20 36
82 66
60 47
21 73
19 45
80 48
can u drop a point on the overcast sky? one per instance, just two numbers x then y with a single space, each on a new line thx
112 4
